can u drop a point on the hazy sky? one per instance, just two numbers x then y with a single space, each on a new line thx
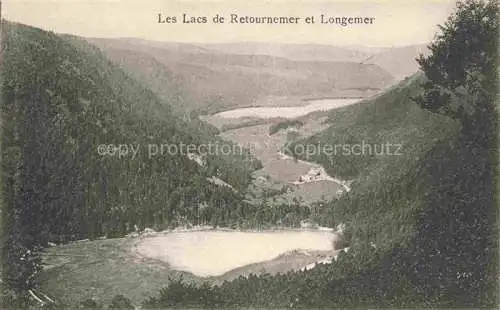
396 22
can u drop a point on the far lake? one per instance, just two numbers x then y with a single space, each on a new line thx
288 112
212 253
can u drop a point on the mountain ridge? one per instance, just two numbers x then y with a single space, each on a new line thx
216 80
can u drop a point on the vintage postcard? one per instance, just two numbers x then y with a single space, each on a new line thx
267 154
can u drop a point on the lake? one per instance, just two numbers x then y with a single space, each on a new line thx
288 112
213 253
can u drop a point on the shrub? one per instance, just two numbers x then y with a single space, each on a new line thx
89 303
121 302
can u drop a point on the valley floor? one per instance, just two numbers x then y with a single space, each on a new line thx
281 170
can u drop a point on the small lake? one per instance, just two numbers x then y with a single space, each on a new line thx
213 253
288 112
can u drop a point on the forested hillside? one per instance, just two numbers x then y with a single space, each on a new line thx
391 118
61 99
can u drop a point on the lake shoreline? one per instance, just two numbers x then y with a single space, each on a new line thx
332 98
287 111
289 102
166 249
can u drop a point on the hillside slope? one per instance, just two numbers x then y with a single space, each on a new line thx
365 130
373 123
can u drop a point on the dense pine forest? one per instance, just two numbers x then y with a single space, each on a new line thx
421 227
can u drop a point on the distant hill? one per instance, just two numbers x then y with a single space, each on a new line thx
296 52
213 79
398 61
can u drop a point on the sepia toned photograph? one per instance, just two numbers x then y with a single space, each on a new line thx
267 154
